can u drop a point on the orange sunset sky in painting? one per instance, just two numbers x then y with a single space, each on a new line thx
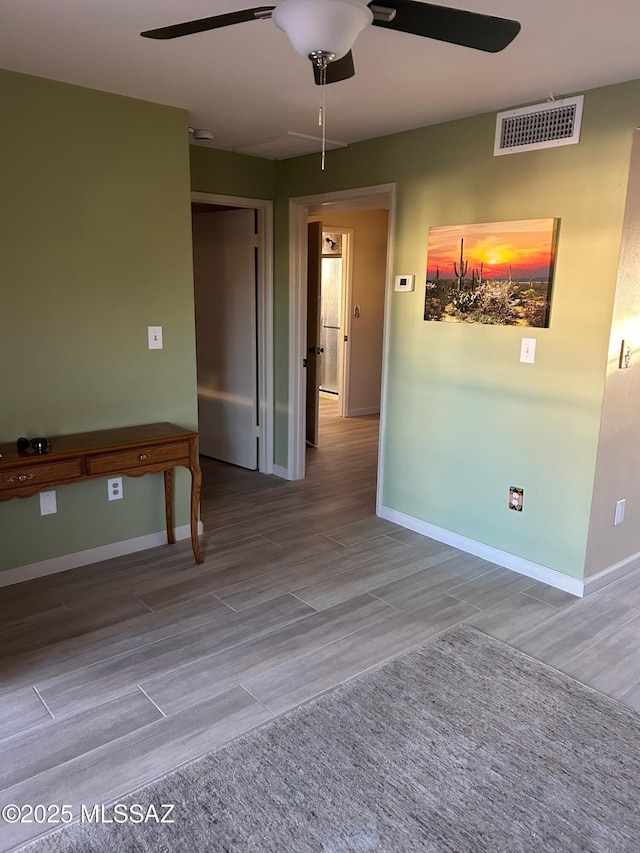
527 246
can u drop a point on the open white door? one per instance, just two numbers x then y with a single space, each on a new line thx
224 260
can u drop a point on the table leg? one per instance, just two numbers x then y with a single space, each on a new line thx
168 505
196 484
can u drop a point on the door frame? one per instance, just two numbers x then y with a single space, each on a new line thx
264 319
300 208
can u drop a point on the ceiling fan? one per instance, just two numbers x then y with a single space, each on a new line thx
325 30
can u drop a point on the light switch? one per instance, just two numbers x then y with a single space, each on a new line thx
528 350
155 337
48 503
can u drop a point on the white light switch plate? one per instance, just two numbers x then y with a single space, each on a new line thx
155 337
528 350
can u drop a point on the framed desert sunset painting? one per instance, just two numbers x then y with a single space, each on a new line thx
494 272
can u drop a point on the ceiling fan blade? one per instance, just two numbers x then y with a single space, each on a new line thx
456 26
341 69
204 24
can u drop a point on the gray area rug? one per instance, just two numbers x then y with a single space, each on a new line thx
464 745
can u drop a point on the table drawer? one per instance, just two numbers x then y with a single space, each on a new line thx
41 474
138 458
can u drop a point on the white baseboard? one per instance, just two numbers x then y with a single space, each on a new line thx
575 586
281 471
92 555
358 413
611 574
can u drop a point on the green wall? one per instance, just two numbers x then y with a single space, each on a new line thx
228 173
96 246
464 418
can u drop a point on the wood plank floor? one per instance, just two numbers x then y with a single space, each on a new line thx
115 673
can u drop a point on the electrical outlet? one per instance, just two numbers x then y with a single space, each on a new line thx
48 503
115 488
516 498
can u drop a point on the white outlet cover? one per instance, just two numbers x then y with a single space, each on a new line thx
155 337
48 503
114 489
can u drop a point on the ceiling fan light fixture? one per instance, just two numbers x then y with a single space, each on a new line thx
322 26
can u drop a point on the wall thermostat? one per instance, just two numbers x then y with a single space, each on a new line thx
405 282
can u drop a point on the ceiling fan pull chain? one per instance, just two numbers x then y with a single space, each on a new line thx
322 110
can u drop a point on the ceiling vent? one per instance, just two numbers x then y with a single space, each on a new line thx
540 126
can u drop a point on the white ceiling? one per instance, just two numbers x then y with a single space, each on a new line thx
247 84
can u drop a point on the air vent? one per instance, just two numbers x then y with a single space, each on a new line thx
540 126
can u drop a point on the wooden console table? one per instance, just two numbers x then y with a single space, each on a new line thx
130 451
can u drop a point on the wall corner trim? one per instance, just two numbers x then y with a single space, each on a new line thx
575 586
92 555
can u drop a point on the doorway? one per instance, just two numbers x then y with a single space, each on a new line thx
233 240
328 295
335 280
325 207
